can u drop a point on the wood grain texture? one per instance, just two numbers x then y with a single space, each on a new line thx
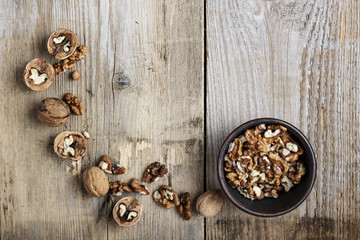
297 61
157 46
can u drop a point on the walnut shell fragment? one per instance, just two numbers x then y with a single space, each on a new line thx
39 74
62 43
95 182
53 112
127 212
70 145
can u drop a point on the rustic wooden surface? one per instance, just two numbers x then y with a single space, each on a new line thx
294 59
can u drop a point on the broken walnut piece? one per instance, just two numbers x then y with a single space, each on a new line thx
138 188
62 43
70 145
154 171
105 164
235 149
80 53
166 197
53 112
63 66
95 182
39 74
127 211
74 104
185 206
118 170
75 75
118 187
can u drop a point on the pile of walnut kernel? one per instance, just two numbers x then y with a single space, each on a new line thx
263 162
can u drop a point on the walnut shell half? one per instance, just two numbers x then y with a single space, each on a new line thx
124 216
39 74
53 111
95 181
70 145
62 43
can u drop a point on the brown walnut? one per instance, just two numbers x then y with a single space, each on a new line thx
53 112
39 74
210 203
95 182
70 145
62 43
127 212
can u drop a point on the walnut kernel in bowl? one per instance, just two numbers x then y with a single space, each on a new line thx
263 162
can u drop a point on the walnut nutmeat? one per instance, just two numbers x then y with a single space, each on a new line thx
64 65
74 103
106 165
80 53
75 75
118 187
154 171
185 206
138 188
166 197
269 162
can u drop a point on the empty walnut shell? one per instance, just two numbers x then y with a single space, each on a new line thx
39 74
53 111
124 220
78 145
62 43
95 181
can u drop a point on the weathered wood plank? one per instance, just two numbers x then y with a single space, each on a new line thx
297 61
160 117
159 47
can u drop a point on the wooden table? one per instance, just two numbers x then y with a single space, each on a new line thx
197 69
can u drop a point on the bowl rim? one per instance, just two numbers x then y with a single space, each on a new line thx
243 127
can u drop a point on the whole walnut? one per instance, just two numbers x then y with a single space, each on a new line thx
210 203
53 112
95 181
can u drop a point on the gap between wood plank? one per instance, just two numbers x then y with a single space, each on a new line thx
205 111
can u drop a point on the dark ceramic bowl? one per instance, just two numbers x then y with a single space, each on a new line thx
287 201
